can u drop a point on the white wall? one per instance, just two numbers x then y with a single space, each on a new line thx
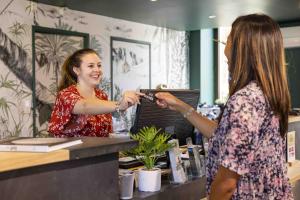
169 59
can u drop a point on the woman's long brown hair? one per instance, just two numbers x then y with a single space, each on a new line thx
257 54
69 77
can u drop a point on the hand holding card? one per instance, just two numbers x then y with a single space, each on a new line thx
150 97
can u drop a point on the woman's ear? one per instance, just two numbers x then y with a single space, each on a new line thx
76 70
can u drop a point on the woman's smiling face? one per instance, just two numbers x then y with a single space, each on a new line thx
90 70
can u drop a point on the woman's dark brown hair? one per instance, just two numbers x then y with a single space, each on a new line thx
69 77
257 54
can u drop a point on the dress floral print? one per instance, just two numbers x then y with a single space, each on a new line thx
248 142
65 124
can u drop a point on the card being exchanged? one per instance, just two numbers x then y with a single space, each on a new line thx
150 97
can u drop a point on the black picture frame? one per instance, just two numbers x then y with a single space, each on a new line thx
50 47
130 65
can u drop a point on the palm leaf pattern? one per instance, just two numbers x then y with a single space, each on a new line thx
95 44
5 106
105 85
15 58
34 9
52 50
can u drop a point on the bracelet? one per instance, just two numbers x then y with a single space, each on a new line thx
189 112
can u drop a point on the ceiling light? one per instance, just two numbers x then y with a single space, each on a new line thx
212 16
153 0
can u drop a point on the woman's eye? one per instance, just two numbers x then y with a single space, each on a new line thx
90 66
99 65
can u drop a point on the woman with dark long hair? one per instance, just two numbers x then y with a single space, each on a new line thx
246 156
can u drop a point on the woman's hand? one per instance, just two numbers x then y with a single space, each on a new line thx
129 98
167 100
203 124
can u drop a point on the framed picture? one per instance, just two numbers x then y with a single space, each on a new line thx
50 48
130 65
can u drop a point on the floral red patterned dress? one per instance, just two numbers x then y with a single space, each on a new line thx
65 124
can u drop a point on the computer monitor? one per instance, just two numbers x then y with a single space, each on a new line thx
172 122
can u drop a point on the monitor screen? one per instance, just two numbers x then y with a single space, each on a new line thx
172 122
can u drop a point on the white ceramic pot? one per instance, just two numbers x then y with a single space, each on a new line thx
149 180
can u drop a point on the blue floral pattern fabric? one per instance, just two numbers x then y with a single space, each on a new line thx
248 142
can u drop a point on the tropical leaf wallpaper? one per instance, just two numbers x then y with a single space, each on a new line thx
51 50
169 58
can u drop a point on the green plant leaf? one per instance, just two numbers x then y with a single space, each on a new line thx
151 144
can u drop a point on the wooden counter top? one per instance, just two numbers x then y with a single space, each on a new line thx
294 172
90 147
18 160
294 118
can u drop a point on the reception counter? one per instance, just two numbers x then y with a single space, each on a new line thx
86 171
89 171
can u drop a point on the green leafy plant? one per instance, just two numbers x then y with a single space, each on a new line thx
151 144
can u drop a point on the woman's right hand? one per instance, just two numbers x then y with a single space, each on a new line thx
129 98
167 100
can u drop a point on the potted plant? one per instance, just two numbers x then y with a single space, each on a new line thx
151 144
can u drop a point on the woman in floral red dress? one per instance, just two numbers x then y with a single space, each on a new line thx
246 154
80 108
